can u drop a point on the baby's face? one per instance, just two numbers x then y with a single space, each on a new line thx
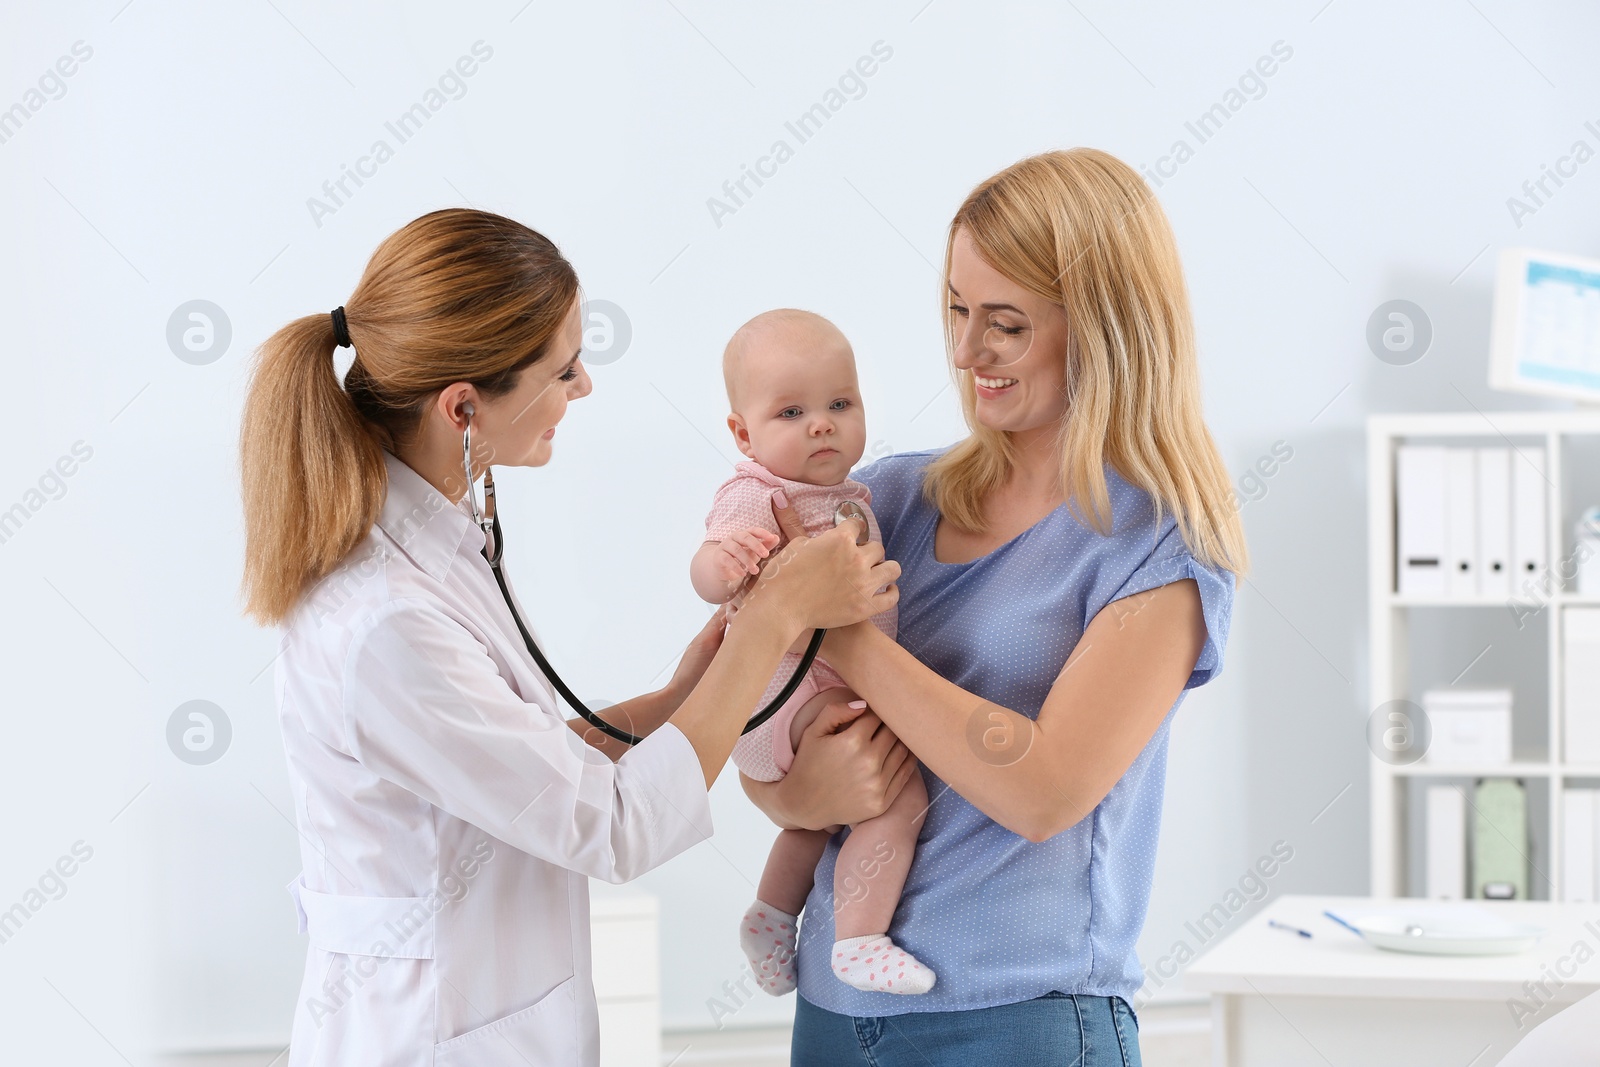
800 408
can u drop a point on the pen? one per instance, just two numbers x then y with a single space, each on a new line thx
1344 924
1275 924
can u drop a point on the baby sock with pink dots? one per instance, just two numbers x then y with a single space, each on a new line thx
767 936
876 964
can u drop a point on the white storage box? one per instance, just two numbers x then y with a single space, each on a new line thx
1468 726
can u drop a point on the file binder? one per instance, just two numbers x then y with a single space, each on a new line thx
1446 843
1500 841
1461 522
1420 504
1528 513
1494 522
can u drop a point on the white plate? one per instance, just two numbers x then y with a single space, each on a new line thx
1447 936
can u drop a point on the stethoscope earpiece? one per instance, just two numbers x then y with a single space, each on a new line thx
485 516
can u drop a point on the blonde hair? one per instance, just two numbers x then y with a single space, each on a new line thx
456 295
1081 229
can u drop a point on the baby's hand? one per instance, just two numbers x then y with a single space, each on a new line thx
739 554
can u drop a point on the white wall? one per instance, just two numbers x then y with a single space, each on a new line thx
177 165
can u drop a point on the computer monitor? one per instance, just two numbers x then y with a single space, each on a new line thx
1545 336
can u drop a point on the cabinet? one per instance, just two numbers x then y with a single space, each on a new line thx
624 933
1531 619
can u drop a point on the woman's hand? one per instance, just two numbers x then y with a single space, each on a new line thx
697 657
847 768
824 581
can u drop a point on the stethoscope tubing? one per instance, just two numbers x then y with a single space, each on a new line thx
572 698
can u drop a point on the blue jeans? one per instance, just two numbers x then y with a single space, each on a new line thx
1055 1030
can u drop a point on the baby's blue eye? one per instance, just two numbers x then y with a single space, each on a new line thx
840 401
785 412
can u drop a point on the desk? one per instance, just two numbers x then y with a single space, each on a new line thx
1283 1000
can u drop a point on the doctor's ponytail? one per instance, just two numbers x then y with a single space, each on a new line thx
456 295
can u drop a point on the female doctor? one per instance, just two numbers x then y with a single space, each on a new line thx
449 818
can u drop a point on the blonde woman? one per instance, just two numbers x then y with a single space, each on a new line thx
1068 572
449 818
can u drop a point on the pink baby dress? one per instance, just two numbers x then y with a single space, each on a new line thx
745 501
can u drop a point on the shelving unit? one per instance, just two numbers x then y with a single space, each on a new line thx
1391 617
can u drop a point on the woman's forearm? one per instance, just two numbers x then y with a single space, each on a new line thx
1038 778
643 715
711 715
932 716
638 715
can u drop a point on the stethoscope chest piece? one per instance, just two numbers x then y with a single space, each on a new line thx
849 509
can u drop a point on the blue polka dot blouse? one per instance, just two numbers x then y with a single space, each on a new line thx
999 918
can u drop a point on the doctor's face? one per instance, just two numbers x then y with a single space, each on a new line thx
523 421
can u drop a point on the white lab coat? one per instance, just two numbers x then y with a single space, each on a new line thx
449 821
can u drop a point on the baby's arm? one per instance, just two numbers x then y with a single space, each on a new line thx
719 568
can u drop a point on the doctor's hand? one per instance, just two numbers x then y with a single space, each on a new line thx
698 656
824 581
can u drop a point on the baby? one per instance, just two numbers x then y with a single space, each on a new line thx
796 413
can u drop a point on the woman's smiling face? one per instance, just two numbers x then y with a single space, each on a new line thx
1012 343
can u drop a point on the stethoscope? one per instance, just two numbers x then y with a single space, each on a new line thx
494 546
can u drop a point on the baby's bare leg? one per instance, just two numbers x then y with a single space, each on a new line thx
874 861
871 872
792 864
791 868
767 931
